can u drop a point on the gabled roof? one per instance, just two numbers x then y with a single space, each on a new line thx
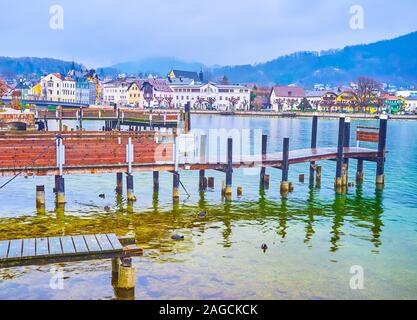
288 91
186 74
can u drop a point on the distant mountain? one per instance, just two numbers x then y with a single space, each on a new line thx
39 66
160 66
393 61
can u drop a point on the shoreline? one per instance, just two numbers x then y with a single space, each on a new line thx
330 115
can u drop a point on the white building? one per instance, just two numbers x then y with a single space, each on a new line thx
284 98
210 95
115 91
314 97
56 87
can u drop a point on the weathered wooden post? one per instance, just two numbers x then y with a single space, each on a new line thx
202 186
81 118
263 169
60 190
339 161
210 182
59 179
40 197
176 186
359 172
126 279
187 122
346 144
130 189
156 182
313 146
176 175
285 166
383 124
60 118
229 168
119 182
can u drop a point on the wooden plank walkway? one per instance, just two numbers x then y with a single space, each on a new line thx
35 251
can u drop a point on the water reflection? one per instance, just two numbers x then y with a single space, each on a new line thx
154 227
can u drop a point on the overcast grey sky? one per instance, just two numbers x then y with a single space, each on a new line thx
104 32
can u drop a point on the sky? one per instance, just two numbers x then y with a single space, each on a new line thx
214 32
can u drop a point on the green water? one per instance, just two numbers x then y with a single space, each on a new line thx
314 237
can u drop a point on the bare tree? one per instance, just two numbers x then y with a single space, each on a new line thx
200 102
367 92
280 103
3 91
159 99
168 101
233 102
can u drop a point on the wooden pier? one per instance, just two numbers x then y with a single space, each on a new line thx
66 153
44 251
113 118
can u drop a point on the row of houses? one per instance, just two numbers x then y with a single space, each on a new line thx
287 98
178 89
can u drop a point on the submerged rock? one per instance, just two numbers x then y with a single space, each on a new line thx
103 196
177 237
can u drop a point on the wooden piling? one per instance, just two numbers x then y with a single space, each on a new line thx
202 184
383 124
130 188
263 169
313 146
60 190
126 279
156 181
266 181
119 182
229 169
210 182
359 172
176 185
239 191
285 166
339 160
40 196
346 144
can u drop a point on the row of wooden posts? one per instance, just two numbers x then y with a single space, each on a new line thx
315 172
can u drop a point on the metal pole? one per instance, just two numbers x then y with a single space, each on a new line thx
313 146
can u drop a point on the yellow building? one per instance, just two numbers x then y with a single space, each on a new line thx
134 95
347 101
36 90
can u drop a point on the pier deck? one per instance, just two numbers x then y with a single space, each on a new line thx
36 251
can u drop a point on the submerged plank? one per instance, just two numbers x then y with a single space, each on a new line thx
104 242
67 245
79 244
15 249
29 248
4 248
55 246
114 241
92 243
42 247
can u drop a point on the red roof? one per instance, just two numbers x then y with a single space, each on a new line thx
289 92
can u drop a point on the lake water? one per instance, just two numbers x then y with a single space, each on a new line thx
314 236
